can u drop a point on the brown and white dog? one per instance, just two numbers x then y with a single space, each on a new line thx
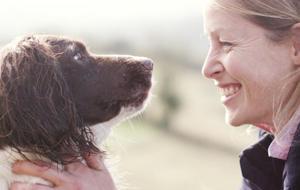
56 99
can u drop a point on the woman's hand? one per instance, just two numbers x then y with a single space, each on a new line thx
76 176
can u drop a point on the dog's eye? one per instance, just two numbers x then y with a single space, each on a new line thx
77 56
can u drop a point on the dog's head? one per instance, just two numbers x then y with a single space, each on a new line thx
52 89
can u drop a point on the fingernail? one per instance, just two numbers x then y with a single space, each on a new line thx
99 162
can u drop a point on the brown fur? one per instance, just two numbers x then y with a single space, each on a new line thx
52 90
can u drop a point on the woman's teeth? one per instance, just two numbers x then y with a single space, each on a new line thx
229 91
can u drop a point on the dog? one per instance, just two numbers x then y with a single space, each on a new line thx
57 99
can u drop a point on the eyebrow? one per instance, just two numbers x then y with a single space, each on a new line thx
219 32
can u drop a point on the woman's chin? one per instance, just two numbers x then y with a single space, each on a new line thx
233 120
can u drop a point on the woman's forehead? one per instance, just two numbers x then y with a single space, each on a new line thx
217 21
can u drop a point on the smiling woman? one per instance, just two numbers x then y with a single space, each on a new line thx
254 59
238 73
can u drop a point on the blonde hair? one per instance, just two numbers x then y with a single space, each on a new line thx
277 17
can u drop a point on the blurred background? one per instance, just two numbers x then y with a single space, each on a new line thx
181 140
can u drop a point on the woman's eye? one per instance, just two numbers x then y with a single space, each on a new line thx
77 56
226 44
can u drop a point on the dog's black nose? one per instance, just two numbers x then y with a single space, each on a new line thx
148 64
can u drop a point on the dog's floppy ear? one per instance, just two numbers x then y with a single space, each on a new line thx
38 114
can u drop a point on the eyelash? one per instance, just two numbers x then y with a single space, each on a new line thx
225 43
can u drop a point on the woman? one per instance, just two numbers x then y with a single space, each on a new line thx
254 60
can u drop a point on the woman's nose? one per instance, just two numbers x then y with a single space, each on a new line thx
212 66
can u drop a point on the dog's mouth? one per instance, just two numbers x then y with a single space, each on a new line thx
130 106
138 99
140 91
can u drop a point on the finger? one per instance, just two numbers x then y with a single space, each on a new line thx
94 161
27 186
45 171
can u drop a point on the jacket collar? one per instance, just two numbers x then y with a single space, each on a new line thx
259 169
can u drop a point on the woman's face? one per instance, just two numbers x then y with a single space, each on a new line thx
245 65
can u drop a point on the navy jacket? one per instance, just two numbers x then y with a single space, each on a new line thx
261 172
